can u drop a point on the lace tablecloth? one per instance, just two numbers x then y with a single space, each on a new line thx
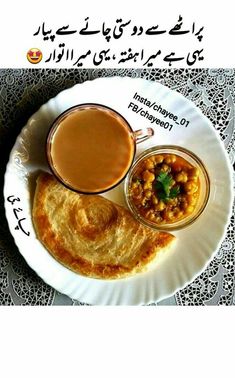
23 91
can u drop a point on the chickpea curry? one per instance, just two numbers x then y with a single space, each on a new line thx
165 188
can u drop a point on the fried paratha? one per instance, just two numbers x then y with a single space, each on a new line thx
91 235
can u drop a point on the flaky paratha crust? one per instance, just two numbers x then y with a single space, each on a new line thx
91 235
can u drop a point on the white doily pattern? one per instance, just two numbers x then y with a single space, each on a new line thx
23 91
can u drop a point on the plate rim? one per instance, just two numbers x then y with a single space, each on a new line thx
209 123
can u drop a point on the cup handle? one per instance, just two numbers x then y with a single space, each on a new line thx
143 134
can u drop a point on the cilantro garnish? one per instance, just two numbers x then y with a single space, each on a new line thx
174 192
163 186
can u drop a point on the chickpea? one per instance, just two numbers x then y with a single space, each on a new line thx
147 185
173 158
148 176
181 177
160 206
189 209
173 201
191 199
165 168
151 217
169 215
147 193
134 185
170 159
190 187
158 219
154 200
149 213
159 159
178 214
143 202
149 164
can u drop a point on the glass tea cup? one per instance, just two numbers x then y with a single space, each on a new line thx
90 148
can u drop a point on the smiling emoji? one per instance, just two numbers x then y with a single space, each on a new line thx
34 56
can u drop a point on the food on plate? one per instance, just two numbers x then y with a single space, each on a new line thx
92 235
165 188
90 148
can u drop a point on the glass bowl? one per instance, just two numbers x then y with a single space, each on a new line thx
203 183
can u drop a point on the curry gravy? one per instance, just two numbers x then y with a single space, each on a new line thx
92 149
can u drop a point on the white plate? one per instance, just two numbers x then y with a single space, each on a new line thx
195 245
